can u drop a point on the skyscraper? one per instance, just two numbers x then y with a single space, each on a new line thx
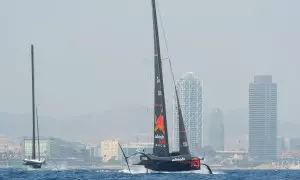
191 101
216 130
263 118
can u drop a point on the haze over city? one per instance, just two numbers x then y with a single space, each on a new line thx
98 55
111 89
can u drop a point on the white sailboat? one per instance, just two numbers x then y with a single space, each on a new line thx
33 162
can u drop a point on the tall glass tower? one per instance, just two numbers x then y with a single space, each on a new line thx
216 130
191 101
263 118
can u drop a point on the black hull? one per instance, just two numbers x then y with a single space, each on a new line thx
171 166
170 163
34 166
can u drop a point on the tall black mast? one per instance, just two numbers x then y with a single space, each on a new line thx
161 144
33 102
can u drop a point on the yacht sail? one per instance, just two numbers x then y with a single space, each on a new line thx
161 142
183 142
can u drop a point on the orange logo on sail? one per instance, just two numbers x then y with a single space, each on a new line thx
159 124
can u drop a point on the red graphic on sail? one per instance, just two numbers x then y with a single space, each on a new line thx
161 141
159 125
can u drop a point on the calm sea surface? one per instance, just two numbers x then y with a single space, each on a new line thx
11 173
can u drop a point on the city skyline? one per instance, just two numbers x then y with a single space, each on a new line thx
81 76
76 53
117 88
190 74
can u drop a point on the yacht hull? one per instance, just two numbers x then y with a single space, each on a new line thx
36 164
171 163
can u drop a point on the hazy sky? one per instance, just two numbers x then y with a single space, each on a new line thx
96 55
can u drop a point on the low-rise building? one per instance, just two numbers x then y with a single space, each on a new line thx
8 144
54 148
109 150
94 150
49 147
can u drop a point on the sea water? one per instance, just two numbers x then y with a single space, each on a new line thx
12 173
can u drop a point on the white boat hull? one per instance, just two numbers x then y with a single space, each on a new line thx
34 163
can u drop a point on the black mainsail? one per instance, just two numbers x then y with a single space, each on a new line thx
161 143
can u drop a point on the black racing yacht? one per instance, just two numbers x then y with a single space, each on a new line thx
161 159
34 162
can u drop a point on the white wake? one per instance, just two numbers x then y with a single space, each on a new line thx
143 170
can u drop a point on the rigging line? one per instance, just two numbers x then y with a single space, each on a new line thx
167 49
38 132
169 59
166 44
